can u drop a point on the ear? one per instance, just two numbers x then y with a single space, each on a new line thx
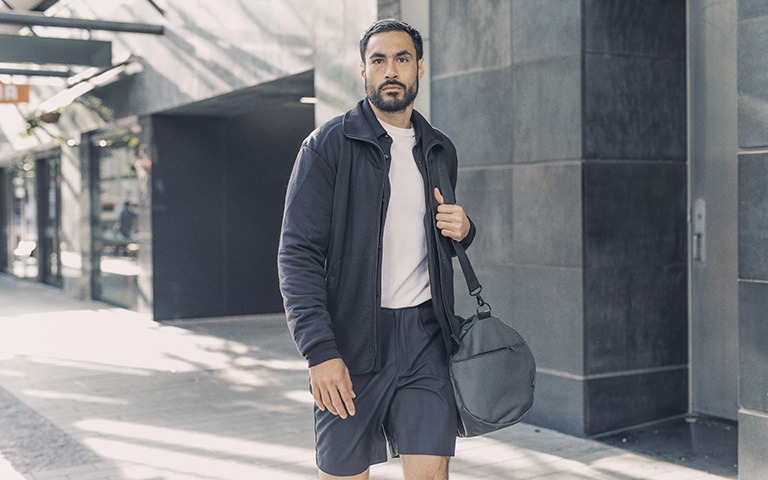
421 67
362 70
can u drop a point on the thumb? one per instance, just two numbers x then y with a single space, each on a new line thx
439 196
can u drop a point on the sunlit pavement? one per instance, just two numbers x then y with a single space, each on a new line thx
89 392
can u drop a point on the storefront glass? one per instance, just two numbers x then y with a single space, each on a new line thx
49 172
115 234
23 232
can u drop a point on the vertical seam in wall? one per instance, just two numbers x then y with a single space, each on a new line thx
585 392
224 132
689 199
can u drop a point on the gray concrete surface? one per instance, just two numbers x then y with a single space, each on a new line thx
93 392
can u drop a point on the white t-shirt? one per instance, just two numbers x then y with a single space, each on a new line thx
404 270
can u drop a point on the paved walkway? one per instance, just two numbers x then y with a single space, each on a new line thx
90 392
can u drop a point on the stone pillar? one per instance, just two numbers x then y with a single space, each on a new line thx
753 237
634 212
569 118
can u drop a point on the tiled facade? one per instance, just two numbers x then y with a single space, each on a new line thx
569 117
753 237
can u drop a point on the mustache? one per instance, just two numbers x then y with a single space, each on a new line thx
393 82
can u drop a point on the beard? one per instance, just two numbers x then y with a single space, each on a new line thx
390 103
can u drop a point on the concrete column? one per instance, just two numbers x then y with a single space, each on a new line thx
753 237
569 119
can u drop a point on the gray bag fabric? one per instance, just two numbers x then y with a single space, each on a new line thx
493 370
493 374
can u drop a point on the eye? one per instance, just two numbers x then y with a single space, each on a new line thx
402 59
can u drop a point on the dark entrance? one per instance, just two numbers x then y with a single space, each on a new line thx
219 177
4 209
115 245
49 220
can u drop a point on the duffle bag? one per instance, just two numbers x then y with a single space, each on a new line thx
492 369
493 374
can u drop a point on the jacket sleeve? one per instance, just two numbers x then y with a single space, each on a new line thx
302 255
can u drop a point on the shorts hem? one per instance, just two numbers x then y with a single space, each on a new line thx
346 472
435 454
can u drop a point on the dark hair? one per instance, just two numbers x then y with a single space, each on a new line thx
391 25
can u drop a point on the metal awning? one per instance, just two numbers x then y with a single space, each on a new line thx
34 55
86 81
30 19
51 51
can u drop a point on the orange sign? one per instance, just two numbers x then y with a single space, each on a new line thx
10 93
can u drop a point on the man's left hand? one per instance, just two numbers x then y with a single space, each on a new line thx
451 219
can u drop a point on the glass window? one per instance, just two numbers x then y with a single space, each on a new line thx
116 232
50 199
23 234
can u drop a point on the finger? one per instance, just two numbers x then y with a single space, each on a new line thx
318 399
448 233
338 404
448 217
439 196
328 402
347 395
450 208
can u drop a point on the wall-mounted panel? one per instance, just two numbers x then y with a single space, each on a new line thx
545 29
647 28
546 109
473 35
478 123
753 216
634 108
634 213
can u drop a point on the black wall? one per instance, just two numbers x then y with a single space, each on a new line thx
634 212
218 193
4 209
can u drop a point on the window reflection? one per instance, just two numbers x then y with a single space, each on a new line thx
24 235
117 245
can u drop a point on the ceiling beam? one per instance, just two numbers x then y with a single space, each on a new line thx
32 19
47 50
35 73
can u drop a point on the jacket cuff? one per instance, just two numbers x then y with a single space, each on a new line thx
467 241
322 352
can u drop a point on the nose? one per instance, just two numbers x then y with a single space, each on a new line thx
391 71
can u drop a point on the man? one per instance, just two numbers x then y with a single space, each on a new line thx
366 273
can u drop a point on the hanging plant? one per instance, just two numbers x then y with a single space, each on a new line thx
30 126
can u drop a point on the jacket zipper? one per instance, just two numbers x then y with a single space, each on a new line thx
379 234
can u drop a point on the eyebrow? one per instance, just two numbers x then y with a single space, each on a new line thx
401 53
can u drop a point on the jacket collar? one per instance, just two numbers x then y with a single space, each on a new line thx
361 123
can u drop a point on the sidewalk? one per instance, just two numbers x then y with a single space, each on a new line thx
93 392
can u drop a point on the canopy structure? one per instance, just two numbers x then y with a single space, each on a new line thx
44 55
39 43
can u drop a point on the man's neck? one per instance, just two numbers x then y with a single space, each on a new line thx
396 119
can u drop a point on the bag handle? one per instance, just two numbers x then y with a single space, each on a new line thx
473 284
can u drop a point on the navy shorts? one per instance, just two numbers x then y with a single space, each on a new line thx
407 405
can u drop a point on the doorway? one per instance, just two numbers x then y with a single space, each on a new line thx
712 174
23 231
115 230
49 220
4 210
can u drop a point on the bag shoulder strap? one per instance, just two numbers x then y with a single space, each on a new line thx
473 284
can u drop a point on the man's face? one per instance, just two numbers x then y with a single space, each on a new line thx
391 71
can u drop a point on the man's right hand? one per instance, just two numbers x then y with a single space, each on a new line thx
332 387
